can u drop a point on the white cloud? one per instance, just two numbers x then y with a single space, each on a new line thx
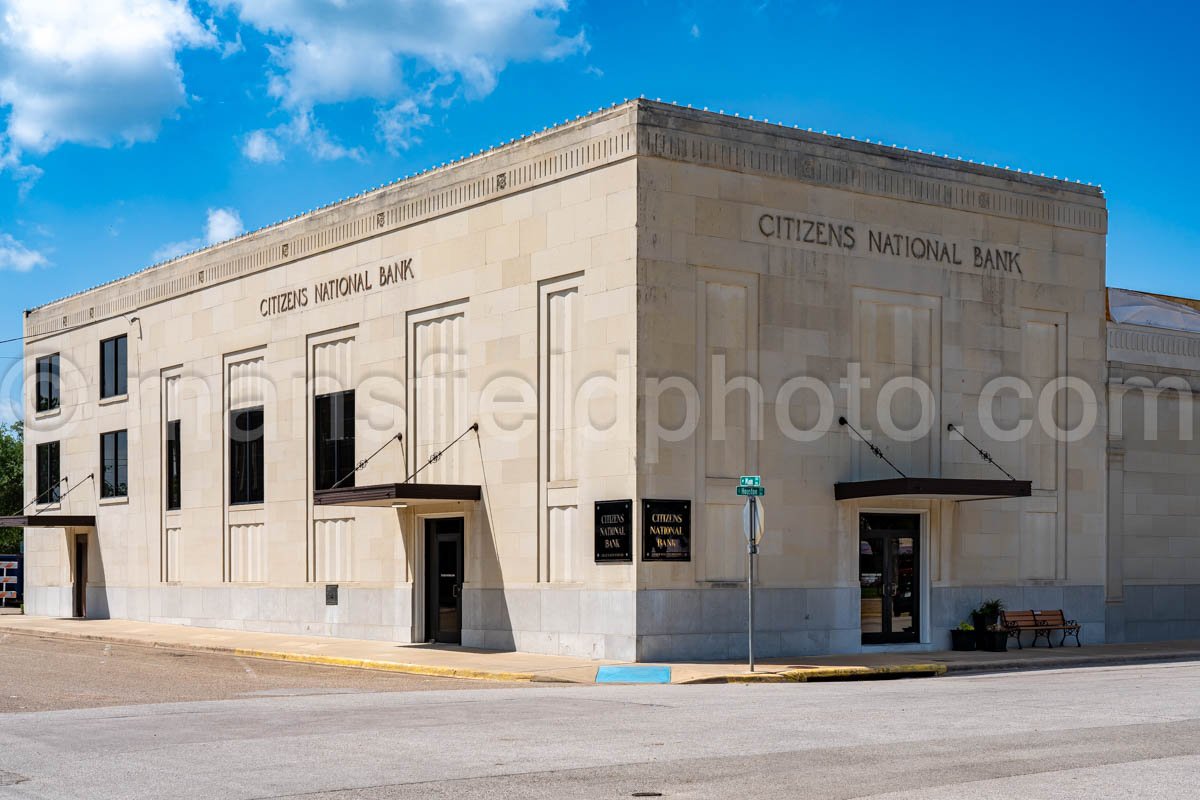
305 130
99 72
26 175
333 51
221 224
261 147
174 250
18 257
396 124
233 47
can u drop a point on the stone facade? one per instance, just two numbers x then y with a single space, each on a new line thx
643 249
1153 586
473 250
730 266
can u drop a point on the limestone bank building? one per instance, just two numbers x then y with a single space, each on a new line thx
523 346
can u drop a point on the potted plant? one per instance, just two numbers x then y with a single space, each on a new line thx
988 633
994 639
963 637
987 614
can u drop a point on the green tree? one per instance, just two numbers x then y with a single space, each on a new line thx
12 481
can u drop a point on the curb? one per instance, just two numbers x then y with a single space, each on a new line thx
812 675
829 674
296 658
962 668
384 666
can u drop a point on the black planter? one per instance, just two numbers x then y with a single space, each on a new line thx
981 621
992 641
962 640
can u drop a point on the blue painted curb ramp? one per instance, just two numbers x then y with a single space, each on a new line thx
634 674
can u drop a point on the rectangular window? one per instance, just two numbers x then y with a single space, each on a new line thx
174 473
114 464
47 383
47 473
246 456
114 371
333 440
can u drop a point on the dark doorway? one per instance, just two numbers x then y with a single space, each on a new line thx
443 579
889 578
80 588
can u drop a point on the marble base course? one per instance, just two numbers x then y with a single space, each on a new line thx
364 613
620 624
1153 613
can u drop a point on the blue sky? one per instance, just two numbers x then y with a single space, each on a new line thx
131 130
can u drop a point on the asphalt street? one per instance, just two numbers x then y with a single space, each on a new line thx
41 674
1097 733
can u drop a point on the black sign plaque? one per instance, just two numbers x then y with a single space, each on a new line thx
614 531
666 530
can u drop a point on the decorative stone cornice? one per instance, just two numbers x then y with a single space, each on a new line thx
1134 349
597 140
1162 347
761 148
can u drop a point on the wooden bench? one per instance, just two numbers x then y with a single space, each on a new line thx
1042 623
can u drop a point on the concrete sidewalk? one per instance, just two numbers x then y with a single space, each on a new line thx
461 662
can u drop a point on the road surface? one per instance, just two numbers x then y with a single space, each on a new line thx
1128 732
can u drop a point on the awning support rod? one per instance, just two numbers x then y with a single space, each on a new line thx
50 489
367 460
982 453
91 477
437 456
878 453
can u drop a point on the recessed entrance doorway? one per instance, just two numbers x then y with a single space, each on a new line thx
889 578
443 579
79 589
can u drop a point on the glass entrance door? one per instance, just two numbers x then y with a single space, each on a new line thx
443 579
889 577
80 587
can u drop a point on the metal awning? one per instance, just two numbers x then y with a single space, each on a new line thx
47 521
933 489
389 494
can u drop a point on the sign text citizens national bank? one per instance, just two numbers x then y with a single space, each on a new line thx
843 236
325 291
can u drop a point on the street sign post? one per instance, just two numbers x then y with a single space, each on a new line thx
750 487
753 516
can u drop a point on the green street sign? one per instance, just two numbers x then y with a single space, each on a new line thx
750 480
751 491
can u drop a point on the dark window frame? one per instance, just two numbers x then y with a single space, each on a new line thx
114 367
173 468
48 474
333 440
47 387
247 471
111 460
